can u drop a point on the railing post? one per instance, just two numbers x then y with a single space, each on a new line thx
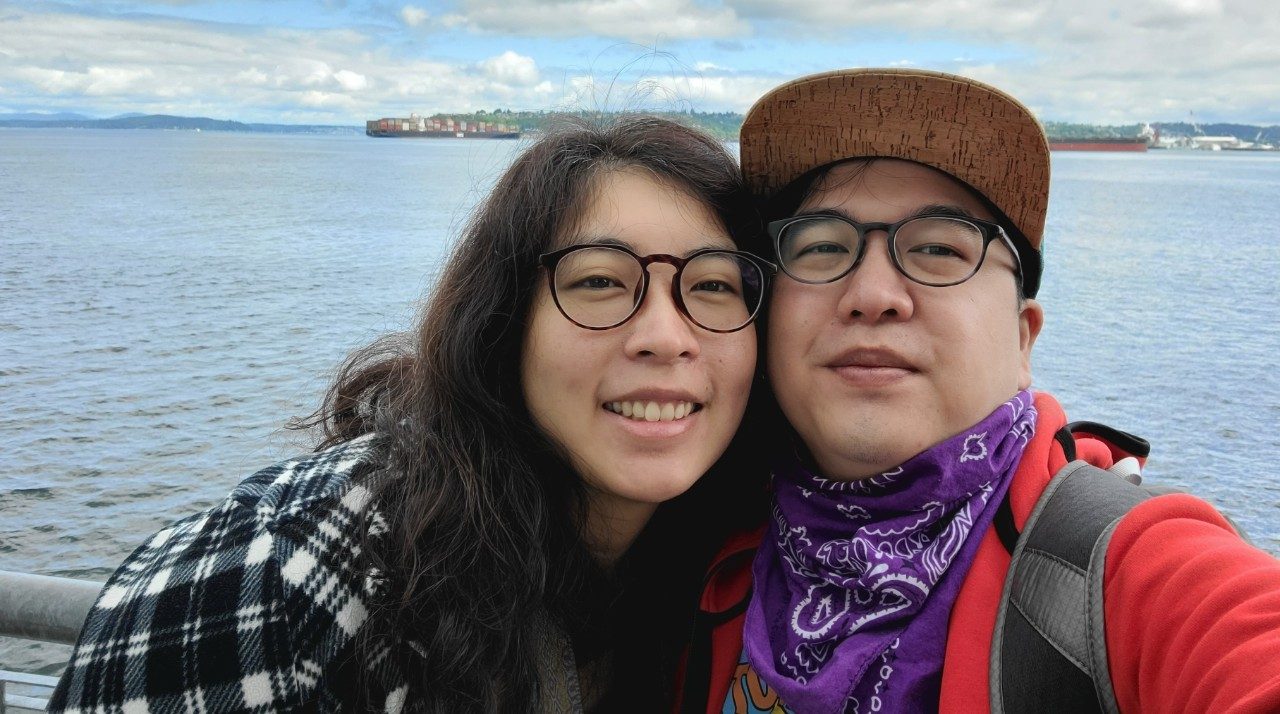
40 607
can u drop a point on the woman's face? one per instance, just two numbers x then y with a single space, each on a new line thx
577 380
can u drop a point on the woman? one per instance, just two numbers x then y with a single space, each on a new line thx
502 515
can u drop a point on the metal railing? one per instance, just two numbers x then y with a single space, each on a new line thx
39 607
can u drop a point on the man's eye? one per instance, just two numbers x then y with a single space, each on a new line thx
938 250
823 248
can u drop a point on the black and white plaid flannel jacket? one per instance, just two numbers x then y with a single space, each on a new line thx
250 606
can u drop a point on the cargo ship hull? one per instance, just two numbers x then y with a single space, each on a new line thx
1138 144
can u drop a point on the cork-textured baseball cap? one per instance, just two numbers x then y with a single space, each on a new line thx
972 131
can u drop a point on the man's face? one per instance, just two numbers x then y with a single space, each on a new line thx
874 368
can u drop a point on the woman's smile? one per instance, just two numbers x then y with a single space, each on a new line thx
653 411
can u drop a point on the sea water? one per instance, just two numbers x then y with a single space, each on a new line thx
169 299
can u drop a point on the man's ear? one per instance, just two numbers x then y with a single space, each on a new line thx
1030 320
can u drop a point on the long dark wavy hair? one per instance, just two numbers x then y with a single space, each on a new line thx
484 513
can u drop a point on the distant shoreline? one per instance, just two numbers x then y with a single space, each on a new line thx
722 125
167 122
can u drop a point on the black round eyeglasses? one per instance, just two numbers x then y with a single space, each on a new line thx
599 286
934 250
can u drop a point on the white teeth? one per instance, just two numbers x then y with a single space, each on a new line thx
652 411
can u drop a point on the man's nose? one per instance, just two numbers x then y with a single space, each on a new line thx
876 290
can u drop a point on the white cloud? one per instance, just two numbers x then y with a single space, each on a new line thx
413 15
89 81
1090 60
702 91
252 76
1002 17
511 68
1197 8
645 21
453 21
350 81
59 60
326 100
664 91
1087 60
308 72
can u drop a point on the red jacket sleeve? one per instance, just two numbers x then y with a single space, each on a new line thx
1192 613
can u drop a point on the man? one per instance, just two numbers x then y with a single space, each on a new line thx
907 214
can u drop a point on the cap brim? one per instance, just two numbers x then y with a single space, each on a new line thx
967 129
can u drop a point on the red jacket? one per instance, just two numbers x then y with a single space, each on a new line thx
1192 611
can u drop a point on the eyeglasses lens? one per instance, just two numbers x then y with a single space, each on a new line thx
600 287
721 291
939 250
818 249
935 250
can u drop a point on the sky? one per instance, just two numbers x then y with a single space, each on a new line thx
344 61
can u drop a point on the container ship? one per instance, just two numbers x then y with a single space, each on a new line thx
439 128
1137 143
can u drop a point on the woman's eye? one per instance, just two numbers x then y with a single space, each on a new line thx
597 282
714 286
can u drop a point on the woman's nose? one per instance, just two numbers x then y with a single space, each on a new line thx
660 329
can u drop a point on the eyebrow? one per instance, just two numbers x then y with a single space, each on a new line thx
932 209
606 240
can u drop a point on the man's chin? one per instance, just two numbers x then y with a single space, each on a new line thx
866 452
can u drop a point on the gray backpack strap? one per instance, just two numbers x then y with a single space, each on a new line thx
1049 648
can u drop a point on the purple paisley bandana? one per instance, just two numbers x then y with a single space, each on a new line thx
855 580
